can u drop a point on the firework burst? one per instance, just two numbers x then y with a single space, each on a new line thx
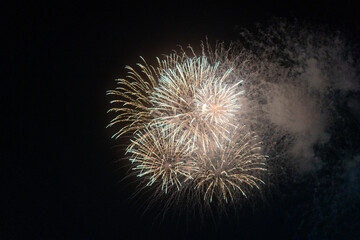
183 116
225 171
132 95
132 103
194 101
161 160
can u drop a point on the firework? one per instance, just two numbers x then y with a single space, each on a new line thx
132 94
160 159
225 171
194 101
133 105
183 116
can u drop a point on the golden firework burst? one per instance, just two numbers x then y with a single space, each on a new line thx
132 104
225 171
194 101
183 115
166 161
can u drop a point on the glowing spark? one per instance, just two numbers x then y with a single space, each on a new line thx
204 108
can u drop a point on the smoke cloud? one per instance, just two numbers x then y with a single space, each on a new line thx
295 76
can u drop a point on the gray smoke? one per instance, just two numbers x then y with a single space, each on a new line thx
294 76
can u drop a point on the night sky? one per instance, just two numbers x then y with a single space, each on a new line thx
62 178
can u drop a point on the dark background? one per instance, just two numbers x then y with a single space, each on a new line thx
61 175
